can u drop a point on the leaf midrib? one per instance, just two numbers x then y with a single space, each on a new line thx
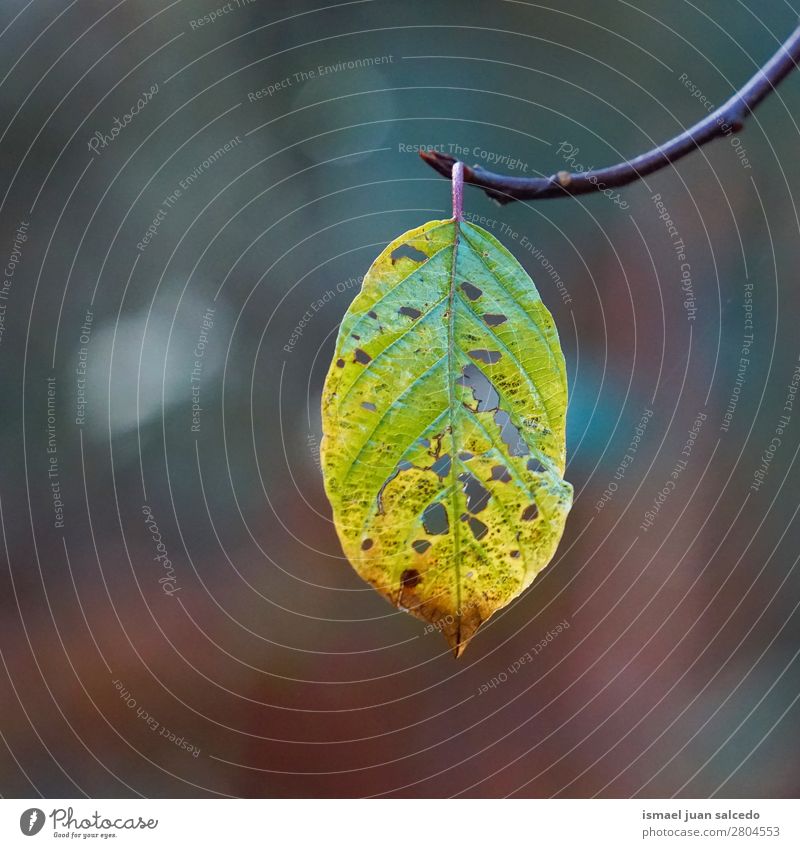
451 386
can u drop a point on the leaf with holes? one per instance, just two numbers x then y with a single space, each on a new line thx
444 428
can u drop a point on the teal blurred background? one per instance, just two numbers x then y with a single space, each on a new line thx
188 206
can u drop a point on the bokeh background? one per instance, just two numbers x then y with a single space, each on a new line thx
154 390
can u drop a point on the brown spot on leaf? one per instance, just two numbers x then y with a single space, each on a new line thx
366 544
515 554
340 363
410 578
530 512
410 312
472 292
362 356
372 314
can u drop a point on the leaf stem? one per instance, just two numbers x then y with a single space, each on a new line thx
728 118
457 175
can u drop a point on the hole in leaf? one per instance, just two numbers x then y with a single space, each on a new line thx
511 436
434 520
530 512
472 292
493 320
477 494
442 466
482 389
372 314
409 251
490 357
465 456
500 472
535 465
366 544
362 356
479 529
370 407
420 545
410 312
410 578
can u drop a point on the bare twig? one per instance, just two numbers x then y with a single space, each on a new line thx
728 118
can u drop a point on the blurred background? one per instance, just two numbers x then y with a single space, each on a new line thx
191 193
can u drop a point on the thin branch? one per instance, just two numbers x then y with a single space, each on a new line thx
728 118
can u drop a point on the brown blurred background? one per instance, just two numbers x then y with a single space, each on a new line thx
269 152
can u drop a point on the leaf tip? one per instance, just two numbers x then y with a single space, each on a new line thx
460 633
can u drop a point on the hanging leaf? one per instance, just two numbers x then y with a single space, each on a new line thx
444 428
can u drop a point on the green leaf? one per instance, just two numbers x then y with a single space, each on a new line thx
444 428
